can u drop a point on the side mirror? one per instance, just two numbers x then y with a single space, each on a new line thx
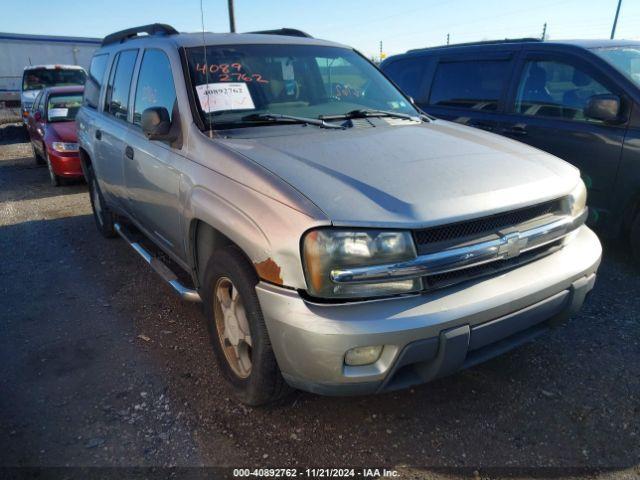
37 116
156 124
604 107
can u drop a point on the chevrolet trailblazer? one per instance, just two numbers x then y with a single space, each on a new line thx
340 240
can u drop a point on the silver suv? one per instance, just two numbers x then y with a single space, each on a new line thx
341 241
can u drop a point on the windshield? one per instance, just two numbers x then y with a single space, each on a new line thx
40 78
63 108
625 59
233 82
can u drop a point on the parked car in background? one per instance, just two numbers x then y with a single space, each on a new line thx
37 77
579 100
342 242
52 131
19 50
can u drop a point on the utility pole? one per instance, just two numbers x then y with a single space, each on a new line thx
615 20
232 18
447 39
381 57
544 31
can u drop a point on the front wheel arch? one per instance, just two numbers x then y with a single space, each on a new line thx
205 241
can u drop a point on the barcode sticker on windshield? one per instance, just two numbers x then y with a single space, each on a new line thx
58 112
215 97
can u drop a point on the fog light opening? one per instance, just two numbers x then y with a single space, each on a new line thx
362 355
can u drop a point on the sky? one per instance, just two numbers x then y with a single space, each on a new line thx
399 24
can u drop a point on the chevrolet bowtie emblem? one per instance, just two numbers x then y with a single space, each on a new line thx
511 245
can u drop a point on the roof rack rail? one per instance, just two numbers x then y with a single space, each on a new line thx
151 29
290 32
482 42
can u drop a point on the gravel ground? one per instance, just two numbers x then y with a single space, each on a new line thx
103 366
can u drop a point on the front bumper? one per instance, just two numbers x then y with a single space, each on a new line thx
429 335
65 165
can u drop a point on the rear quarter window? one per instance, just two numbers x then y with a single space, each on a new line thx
476 85
95 80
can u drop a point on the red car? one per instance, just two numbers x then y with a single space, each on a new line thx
52 130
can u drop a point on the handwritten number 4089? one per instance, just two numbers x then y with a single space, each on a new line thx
230 71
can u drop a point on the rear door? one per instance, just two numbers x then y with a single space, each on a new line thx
470 88
35 129
89 112
546 110
151 167
111 128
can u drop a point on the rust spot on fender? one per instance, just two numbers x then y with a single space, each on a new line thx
270 271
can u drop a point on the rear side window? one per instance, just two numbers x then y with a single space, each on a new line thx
476 84
117 100
408 75
155 85
95 80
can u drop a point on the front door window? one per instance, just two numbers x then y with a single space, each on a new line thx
549 88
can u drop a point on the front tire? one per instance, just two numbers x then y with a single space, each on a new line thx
102 215
237 330
38 158
53 178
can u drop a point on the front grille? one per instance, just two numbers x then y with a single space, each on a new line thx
447 279
466 230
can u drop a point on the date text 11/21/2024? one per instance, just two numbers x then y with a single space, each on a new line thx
315 472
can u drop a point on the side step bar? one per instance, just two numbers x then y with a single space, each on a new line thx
160 268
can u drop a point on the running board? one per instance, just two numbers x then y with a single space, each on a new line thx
160 268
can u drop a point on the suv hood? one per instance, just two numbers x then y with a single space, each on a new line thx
411 175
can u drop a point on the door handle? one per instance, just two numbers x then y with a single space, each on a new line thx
128 151
98 135
516 130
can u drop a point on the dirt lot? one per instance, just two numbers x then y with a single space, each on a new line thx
102 365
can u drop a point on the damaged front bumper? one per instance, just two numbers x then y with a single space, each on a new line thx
429 335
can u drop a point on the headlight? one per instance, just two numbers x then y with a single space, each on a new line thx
65 147
578 199
329 249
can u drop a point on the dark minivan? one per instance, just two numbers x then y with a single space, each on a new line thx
579 100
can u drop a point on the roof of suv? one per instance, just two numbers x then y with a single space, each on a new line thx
155 32
195 39
587 44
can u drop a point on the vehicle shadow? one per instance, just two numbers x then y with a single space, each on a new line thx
568 400
22 179
13 133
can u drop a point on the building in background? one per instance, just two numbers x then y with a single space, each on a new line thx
19 51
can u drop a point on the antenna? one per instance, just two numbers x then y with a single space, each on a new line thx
615 20
206 71
232 18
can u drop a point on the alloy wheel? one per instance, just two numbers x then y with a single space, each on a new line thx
232 327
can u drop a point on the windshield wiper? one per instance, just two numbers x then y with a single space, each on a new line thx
278 117
366 112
